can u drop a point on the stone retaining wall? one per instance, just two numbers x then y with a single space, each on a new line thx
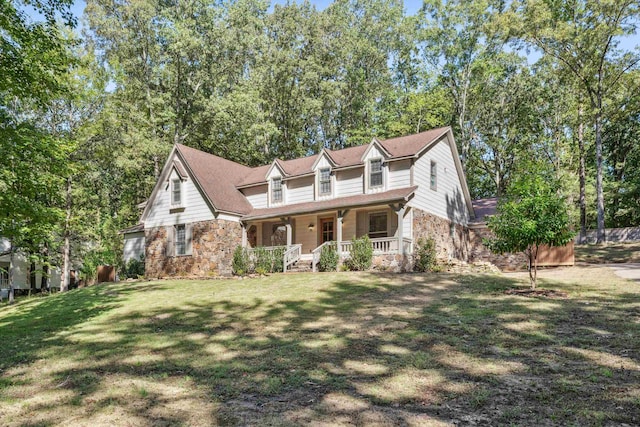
479 252
452 240
213 243
394 263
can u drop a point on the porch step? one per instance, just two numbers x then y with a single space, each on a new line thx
301 266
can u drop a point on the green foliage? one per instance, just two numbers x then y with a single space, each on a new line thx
425 255
267 261
532 214
241 261
329 258
95 258
361 255
134 269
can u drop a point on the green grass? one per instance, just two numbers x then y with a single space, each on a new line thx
608 253
339 349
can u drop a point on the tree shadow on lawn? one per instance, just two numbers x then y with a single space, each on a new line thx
368 349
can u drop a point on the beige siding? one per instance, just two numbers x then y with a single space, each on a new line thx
195 206
300 190
349 182
257 196
303 235
447 201
399 174
349 226
133 246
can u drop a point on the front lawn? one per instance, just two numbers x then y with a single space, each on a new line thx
330 349
608 253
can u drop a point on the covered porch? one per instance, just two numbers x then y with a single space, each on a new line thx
303 234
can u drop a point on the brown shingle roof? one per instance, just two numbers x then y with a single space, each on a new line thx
409 145
133 229
484 207
403 146
218 178
399 194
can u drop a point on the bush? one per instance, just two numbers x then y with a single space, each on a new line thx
361 254
328 258
277 256
262 260
241 262
134 269
425 256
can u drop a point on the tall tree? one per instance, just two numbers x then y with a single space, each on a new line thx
33 57
583 36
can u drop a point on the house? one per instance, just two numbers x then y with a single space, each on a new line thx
395 191
20 267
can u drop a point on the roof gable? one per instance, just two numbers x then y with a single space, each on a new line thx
375 144
323 155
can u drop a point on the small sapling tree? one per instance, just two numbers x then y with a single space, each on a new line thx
532 214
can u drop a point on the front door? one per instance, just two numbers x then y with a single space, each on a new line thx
326 230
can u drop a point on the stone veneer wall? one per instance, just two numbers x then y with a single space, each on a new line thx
395 263
452 240
212 243
479 252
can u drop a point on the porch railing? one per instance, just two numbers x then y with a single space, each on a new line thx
315 255
291 256
381 245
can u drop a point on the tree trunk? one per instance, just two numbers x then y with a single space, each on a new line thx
582 173
533 266
32 277
64 282
599 190
44 281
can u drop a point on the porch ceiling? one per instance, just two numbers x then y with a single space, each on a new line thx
361 200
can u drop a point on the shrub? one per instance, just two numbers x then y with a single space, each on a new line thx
241 262
425 255
277 256
134 269
262 260
361 254
328 258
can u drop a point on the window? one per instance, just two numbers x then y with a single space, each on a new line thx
176 194
434 175
4 276
325 181
377 225
375 173
181 240
276 190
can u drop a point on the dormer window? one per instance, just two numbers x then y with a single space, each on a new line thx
375 173
325 181
176 192
276 190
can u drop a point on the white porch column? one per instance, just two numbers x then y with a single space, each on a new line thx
289 232
244 234
400 231
339 233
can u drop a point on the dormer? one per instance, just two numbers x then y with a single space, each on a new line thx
325 184
375 167
177 190
275 178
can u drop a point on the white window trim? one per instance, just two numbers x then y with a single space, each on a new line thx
180 183
382 174
271 189
320 194
175 244
433 167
